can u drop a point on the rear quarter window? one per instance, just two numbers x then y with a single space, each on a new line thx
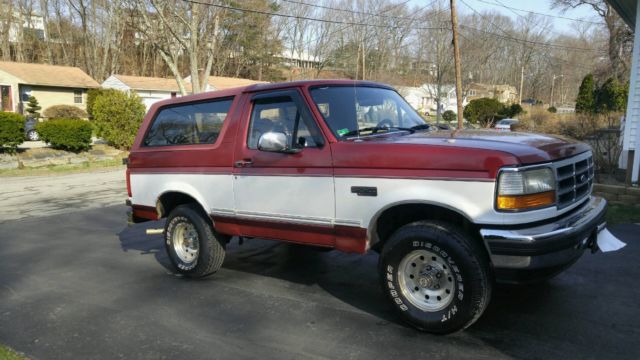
188 124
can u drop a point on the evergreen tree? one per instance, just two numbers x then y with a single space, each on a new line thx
585 103
33 107
611 96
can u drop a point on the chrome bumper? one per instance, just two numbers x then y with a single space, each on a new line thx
549 244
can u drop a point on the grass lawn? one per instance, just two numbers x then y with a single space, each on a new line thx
8 354
620 214
64 169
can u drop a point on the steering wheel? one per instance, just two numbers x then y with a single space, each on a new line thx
385 123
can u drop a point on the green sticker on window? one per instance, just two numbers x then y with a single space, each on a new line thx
342 132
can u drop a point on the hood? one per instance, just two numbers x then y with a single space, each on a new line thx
529 148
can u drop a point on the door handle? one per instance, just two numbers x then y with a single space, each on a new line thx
243 163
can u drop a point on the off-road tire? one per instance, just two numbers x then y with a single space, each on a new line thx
211 245
458 258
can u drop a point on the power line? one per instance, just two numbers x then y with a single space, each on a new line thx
355 11
262 12
523 41
539 13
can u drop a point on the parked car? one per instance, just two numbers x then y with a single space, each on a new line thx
505 124
30 129
449 212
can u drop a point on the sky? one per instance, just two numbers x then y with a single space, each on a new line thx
540 6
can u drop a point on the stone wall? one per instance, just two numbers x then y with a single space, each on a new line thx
618 195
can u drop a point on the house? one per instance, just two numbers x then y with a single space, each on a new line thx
23 25
448 100
506 94
223 82
629 11
424 98
149 89
49 84
417 97
298 59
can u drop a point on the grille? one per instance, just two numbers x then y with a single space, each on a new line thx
575 179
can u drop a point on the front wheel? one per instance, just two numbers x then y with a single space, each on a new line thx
32 135
437 279
194 247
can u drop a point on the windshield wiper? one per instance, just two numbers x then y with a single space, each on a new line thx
375 129
421 127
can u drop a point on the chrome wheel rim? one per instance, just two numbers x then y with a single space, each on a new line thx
426 280
185 242
33 136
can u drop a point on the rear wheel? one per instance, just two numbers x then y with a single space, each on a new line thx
194 247
437 279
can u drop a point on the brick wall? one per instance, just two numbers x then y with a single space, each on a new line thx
618 195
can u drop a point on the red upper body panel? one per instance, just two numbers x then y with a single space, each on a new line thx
465 154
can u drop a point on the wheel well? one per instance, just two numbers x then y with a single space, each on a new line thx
170 200
394 217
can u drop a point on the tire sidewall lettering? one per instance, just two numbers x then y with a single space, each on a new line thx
393 289
169 243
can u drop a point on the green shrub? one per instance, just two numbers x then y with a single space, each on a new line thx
484 111
66 134
64 112
449 116
117 117
552 109
92 95
513 110
11 130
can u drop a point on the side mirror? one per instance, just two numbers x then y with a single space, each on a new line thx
275 142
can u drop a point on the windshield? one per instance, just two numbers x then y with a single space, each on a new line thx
352 111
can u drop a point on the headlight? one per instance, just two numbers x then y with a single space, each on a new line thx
526 189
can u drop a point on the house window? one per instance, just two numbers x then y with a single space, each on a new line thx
472 93
77 96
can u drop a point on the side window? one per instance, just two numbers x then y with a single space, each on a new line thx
195 123
282 115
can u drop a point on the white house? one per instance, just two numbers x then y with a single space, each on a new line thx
223 82
629 11
150 89
417 97
424 98
23 24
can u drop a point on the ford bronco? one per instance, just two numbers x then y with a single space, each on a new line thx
349 165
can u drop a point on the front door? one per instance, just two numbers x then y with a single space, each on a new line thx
288 196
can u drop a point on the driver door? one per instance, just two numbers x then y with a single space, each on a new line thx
288 196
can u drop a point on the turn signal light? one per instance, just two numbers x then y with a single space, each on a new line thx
526 202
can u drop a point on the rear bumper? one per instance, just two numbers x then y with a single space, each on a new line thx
522 254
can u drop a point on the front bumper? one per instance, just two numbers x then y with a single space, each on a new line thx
522 254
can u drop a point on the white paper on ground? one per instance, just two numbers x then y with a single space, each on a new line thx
607 242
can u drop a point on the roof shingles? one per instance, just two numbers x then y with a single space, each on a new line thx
49 75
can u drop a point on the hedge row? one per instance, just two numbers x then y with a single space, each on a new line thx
11 130
66 134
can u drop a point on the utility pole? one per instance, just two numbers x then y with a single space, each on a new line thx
553 81
456 57
521 83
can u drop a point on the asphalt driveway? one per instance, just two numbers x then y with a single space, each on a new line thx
83 286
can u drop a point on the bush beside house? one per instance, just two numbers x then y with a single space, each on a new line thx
92 95
11 130
449 116
117 117
64 112
66 134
